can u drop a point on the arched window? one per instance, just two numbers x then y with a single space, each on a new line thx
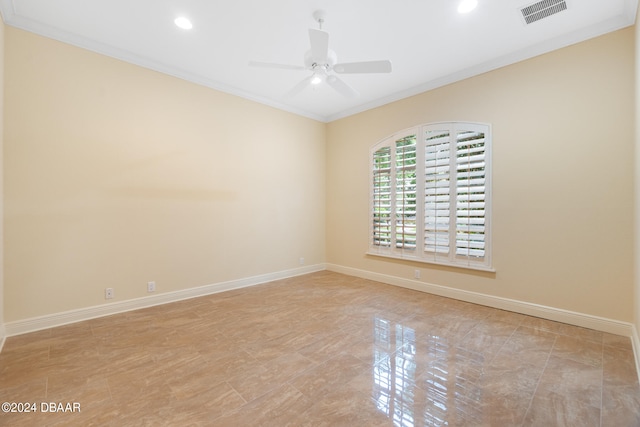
430 195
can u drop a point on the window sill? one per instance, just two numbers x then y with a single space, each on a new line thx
444 264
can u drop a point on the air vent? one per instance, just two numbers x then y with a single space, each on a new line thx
542 9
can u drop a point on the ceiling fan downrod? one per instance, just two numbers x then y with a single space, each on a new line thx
319 16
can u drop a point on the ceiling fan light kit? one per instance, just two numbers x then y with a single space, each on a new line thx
322 62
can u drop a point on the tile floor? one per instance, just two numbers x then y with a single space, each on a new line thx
321 350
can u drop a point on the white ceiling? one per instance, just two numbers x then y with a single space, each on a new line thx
428 42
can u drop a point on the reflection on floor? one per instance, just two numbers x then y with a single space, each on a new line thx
321 350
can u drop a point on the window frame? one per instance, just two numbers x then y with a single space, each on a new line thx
456 183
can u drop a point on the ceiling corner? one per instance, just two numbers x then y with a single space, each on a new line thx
7 10
631 11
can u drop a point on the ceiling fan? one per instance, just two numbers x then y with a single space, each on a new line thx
322 62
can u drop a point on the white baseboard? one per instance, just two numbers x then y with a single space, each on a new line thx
58 319
536 310
635 341
551 313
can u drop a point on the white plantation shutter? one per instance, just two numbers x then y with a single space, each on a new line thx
470 194
437 193
430 195
382 197
405 218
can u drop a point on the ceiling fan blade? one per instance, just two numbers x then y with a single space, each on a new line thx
298 88
341 87
273 65
363 67
319 45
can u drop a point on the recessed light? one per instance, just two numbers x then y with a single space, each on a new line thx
183 23
466 6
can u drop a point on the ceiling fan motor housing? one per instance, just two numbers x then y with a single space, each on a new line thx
311 63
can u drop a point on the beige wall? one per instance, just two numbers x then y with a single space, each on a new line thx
116 175
563 144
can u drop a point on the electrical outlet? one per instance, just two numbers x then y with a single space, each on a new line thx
151 286
416 274
301 260
108 293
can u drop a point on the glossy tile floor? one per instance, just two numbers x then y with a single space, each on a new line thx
321 350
